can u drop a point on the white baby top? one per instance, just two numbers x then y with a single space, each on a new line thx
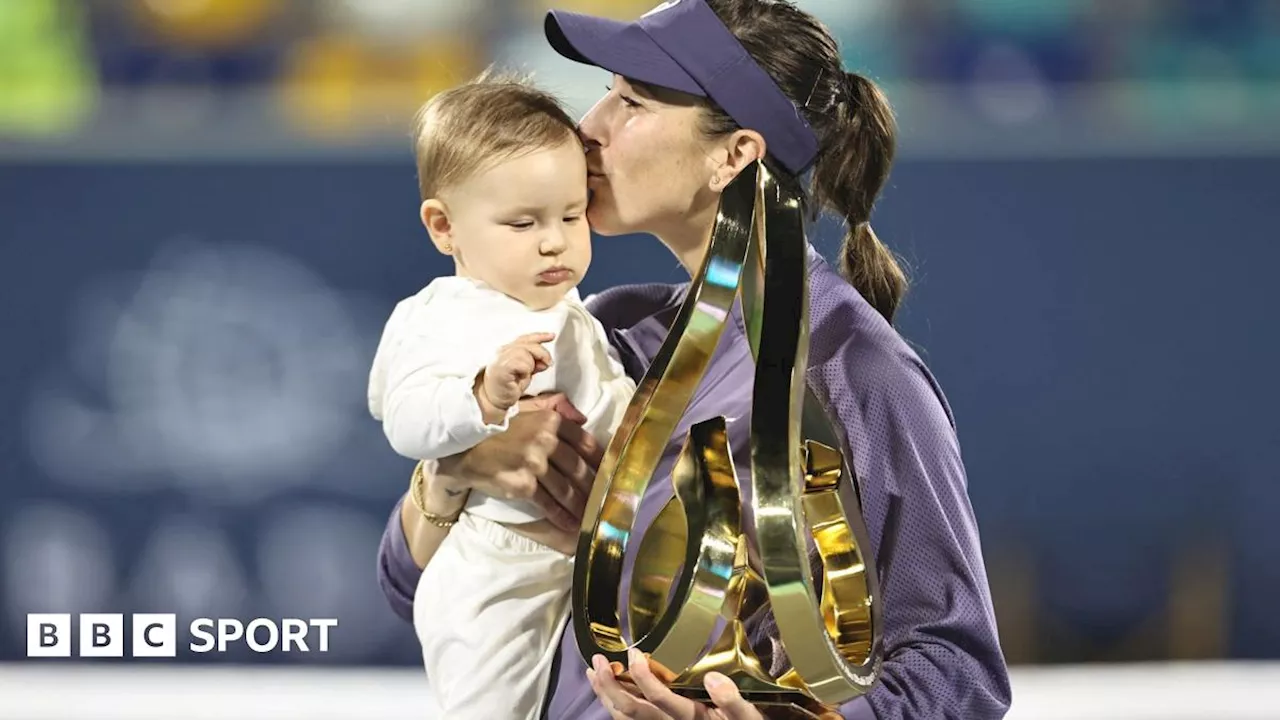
437 341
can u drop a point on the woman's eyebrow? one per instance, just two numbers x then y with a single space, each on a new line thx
660 94
642 88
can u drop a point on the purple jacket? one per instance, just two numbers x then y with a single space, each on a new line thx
943 656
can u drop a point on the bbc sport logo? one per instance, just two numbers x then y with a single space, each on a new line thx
156 634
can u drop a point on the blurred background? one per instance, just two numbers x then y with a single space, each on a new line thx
208 208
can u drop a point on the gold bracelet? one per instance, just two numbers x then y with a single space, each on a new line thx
415 494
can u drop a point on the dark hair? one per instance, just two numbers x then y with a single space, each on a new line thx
856 131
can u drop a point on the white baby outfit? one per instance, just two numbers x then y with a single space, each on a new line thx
491 604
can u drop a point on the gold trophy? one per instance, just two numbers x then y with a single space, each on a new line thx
699 573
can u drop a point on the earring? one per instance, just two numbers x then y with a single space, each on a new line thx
447 248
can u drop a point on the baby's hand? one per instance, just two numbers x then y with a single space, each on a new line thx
504 381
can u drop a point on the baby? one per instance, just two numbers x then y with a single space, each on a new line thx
503 180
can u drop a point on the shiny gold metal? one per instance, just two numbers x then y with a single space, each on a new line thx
695 580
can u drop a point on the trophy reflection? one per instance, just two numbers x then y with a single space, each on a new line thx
700 574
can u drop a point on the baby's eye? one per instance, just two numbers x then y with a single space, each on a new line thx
521 224
572 218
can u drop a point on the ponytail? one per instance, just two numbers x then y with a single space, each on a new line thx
872 268
849 176
854 123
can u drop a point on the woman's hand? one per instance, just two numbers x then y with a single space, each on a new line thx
650 698
545 456
647 697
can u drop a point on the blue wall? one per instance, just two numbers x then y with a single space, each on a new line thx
187 345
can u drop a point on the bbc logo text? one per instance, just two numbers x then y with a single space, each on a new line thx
156 634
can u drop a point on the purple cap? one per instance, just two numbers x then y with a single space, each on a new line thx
683 45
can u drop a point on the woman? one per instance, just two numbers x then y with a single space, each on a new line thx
702 89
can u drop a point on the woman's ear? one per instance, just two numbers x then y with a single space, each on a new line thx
744 147
435 218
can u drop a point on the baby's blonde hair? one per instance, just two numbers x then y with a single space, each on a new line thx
495 117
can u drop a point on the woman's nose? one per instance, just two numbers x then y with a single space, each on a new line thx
591 127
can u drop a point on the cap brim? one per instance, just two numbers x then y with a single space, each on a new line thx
622 48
